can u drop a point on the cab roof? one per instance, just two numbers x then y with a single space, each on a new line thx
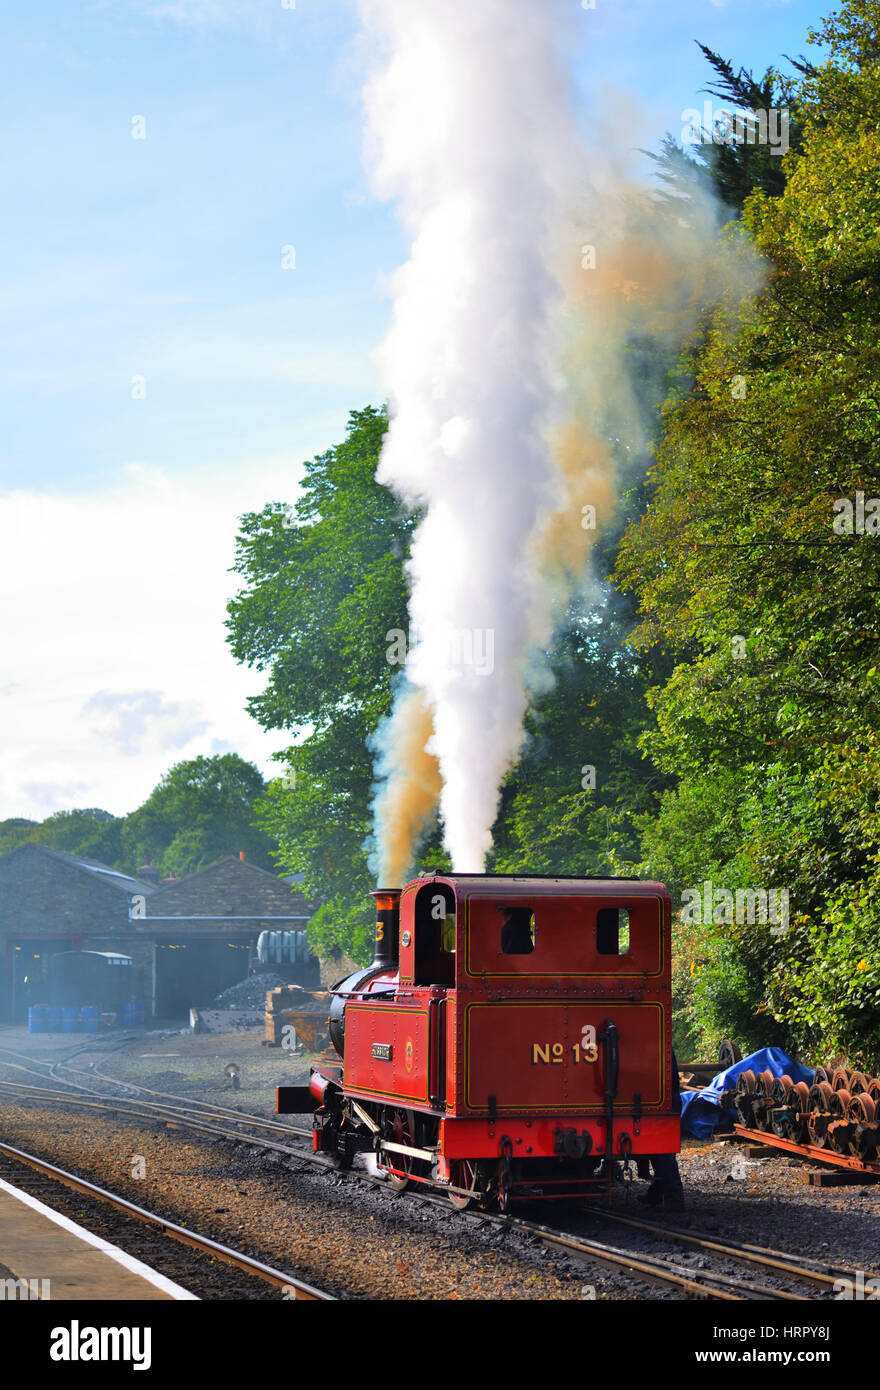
550 885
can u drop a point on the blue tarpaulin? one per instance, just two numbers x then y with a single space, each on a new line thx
701 1112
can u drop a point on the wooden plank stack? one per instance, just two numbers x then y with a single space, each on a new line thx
305 1010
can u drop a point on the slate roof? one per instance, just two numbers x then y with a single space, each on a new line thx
230 888
44 890
126 883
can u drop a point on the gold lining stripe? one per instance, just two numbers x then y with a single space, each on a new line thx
584 1107
400 1011
556 974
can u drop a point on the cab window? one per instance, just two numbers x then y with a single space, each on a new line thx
517 931
612 931
434 920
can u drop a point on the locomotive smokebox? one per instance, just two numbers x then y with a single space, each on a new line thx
387 927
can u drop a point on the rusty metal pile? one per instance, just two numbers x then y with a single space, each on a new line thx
837 1117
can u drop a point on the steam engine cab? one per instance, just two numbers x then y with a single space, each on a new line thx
510 1040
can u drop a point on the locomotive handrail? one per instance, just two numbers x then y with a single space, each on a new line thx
609 1037
359 994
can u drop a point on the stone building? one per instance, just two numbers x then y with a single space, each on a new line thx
202 931
188 938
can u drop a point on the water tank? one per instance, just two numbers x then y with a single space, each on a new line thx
283 948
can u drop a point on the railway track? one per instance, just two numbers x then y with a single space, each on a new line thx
776 1264
292 1287
820 1273
657 1269
169 1115
183 1113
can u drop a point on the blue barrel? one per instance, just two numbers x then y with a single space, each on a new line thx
90 1016
53 1018
140 1011
70 1020
37 1018
126 1014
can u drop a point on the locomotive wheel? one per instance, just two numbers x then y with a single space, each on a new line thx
340 1156
861 1112
800 1097
820 1114
402 1126
463 1172
503 1189
505 1176
728 1054
764 1090
781 1088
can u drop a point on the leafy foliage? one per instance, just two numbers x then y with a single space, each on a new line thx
771 714
201 811
721 160
323 585
91 833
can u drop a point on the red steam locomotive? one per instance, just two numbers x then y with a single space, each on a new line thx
510 1040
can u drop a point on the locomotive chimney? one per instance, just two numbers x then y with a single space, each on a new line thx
387 927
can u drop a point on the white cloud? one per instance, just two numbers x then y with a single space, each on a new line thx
116 663
140 719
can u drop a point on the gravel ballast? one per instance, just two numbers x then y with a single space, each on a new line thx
371 1244
343 1236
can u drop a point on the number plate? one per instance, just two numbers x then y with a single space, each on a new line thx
382 1052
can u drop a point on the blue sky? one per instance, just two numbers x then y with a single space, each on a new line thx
161 371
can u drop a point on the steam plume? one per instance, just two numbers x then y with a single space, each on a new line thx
504 367
410 786
469 128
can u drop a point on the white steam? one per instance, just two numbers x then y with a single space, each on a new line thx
515 395
470 130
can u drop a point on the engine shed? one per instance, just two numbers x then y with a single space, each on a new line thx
187 938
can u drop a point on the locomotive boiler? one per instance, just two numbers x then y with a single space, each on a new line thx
510 1039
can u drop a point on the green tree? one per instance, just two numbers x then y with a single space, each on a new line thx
90 833
323 585
201 811
17 830
731 160
582 787
773 705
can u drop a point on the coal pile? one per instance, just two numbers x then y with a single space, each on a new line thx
248 994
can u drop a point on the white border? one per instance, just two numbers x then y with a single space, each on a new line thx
127 1261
